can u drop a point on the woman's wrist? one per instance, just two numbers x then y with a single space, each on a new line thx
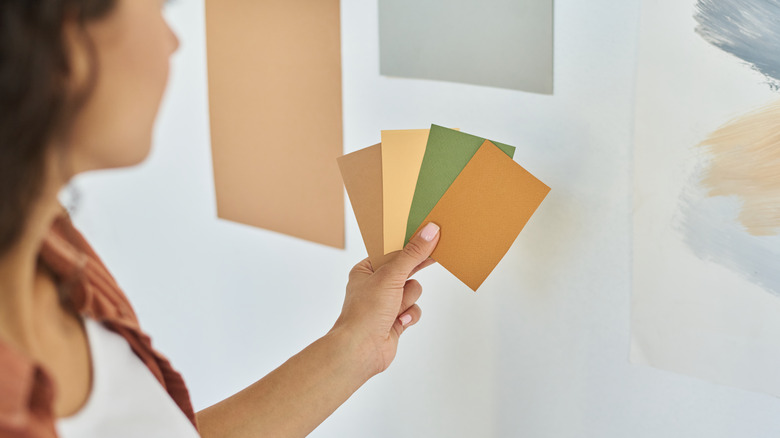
358 350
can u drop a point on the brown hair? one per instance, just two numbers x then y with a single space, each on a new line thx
35 104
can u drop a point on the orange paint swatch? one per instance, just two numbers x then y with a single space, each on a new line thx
274 72
362 174
482 213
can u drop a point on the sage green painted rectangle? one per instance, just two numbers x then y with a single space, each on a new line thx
447 153
495 43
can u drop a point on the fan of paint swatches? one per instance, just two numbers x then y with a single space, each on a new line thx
471 187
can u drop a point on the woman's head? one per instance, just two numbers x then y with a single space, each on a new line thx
80 84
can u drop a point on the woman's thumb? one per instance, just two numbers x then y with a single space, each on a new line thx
417 250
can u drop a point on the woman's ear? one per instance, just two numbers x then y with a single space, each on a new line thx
81 59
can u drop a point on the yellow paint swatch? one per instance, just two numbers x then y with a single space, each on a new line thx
402 155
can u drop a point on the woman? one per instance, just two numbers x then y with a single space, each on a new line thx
80 84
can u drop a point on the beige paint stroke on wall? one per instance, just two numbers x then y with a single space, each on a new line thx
745 162
276 115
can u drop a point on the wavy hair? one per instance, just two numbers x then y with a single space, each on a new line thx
36 105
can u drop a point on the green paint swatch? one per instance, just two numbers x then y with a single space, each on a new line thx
447 153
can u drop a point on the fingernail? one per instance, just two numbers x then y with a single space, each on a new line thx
405 320
429 232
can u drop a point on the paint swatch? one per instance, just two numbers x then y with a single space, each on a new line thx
274 70
446 154
481 210
402 155
497 43
362 174
747 29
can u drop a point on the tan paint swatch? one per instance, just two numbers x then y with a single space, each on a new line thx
402 155
745 162
276 117
482 213
362 174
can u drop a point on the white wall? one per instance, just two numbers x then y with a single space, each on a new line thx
540 351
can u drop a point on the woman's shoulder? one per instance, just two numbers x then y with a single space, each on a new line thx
94 293
86 280
26 390
26 395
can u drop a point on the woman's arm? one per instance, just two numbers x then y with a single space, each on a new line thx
296 397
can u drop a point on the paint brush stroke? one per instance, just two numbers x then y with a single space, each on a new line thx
744 162
710 228
747 29
730 211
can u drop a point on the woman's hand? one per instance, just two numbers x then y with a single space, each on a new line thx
296 397
381 304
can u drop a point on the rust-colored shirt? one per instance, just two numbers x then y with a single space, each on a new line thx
26 390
